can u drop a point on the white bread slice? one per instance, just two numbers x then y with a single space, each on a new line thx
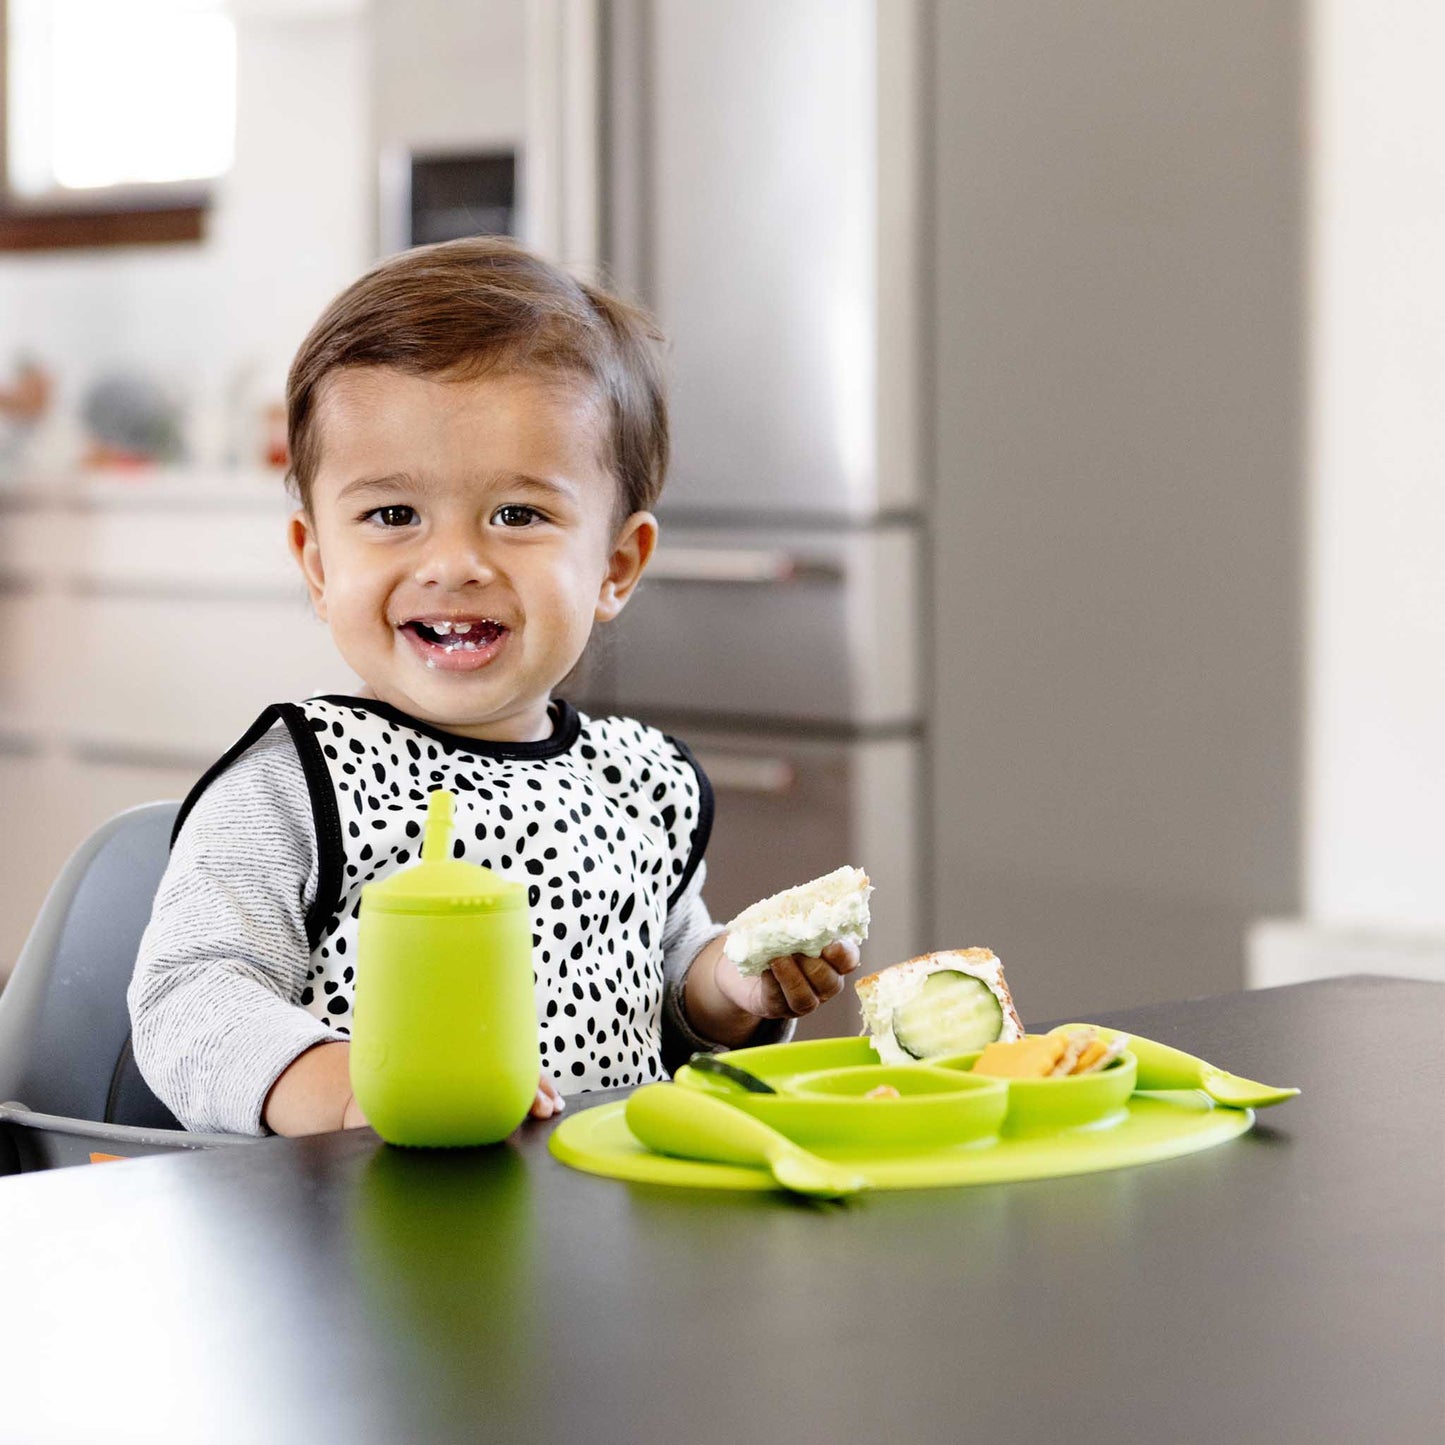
879 994
805 919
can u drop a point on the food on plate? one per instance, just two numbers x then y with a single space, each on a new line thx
1032 1058
805 919
940 1003
1091 1051
1051 1056
883 1091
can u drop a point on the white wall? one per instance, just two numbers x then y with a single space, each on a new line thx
1375 828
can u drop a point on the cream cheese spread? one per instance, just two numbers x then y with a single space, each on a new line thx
805 919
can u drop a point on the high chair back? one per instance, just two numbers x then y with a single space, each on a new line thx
69 1086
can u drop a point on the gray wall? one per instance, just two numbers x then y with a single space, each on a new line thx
1118 281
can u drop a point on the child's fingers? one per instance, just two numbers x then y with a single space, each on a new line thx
548 1100
842 954
822 976
798 995
805 981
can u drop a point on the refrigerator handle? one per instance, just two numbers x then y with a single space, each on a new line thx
737 564
745 773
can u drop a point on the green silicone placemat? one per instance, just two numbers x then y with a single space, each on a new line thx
1153 1126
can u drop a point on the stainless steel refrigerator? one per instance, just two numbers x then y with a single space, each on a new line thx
761 194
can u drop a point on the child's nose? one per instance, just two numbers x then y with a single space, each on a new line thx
454 559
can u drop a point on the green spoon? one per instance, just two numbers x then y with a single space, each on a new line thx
1162 1067
689 1124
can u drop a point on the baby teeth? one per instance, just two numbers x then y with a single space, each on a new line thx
442 629
461 626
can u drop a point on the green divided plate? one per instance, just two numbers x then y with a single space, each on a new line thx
1136 1130
1153 1126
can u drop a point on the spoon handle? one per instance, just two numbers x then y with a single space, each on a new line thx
691 1124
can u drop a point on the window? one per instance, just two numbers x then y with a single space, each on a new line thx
116 116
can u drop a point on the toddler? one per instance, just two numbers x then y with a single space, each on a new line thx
476 442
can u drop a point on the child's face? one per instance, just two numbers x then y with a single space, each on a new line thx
462 541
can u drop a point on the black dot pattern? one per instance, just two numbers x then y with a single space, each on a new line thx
600 835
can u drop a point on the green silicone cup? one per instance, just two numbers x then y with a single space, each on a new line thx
1049 1106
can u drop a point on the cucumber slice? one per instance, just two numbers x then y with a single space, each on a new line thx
952 1013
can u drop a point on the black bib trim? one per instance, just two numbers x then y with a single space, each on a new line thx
703 830
566 727
327 822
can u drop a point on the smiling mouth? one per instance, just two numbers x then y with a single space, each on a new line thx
456 644
472 635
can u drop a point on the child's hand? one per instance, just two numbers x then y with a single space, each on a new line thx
790 986
548 1100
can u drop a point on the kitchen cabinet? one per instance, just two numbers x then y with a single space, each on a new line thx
143 623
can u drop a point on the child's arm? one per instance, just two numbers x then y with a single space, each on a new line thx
214 1011
727 1007
313 1094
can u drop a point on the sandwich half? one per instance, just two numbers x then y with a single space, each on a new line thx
938 1004
805 919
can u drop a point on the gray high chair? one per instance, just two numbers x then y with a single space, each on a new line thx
69 1086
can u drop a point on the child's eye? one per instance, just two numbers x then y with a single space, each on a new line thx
515 514
393 516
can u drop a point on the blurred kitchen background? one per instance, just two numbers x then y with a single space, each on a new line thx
1055 528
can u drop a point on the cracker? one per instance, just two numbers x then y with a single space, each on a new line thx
1091 1057
1075 1042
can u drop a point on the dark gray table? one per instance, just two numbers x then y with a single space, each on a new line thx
1288 1286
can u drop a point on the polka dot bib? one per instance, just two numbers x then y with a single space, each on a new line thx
605 823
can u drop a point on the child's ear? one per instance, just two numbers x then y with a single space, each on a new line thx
632 549
301 537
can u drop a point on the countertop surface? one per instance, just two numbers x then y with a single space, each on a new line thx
1287 1286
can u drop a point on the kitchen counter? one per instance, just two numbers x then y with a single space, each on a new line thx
1283 1287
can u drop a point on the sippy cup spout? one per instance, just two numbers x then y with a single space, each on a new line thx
438 828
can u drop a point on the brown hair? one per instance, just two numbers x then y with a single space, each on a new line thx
463 308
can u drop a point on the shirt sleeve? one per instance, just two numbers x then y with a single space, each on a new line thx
213 1008
688 931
